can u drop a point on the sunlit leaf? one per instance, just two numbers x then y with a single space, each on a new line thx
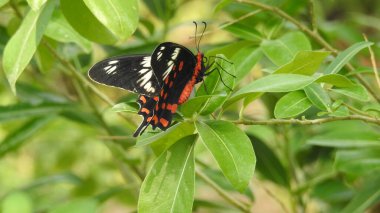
237 160
17 202
169 185
291 105
36 4
23 44
318 96
357 92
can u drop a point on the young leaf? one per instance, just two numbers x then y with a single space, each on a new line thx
119 16
60 30
23 44
337 80
36 4
169 185
275 83
304 63
18 137
282 50
291 105
318 96
357 92
77 13
344 57
231 149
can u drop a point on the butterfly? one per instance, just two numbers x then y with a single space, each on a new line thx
163 79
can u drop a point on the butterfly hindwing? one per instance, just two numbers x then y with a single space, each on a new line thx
133 73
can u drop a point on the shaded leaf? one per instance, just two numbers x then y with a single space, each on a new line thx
18 137
242 31
245 59
237 160
77 13
357 92
195 104
291 105
169 185
336 80
358 161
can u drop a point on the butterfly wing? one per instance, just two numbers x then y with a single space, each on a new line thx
133 73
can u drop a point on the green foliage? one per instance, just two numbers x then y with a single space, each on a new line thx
291 108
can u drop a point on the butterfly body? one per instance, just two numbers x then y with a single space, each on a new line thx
164 80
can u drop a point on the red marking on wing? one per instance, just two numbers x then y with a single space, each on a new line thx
190 84
172 107
163 106
164 122
155 119
180 66
143 99
171 84
147 111
175 75
156 107
166 80
166 95
155 98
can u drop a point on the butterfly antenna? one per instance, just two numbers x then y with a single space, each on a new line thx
195 35
204 29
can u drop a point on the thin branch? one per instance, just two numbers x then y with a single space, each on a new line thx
312 15
373 61
313 34
309 122
221 192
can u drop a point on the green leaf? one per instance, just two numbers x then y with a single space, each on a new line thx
83 205
44 59
19 111
282 50
357 92
218 83
275 83
244 32
349 138
195 104
366 197
268 164
163 9
18 137
119 16
221 5
358 161
372 107
245 59
36 4
318 96
60 30
344 57
85 23
17 202
304 63
169 185
163 140
337 80
236 160
131 107
23 44
3 2
291 105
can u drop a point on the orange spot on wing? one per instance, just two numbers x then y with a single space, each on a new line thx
164 122
155 98
170 84
172 107
143 99
155 119
166 95
156 107
174 67
149 119
147 111
180 66
166 80
175 75
162 93
163 106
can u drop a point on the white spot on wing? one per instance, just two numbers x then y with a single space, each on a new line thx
175 53
162 48
146 62
110 70
113 62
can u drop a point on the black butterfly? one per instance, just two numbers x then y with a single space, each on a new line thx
163 79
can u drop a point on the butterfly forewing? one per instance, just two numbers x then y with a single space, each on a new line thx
133 73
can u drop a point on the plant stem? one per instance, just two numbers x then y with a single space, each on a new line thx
222 192
373 61
312 15
313 34
309 122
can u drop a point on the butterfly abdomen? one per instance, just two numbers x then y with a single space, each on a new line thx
190 84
